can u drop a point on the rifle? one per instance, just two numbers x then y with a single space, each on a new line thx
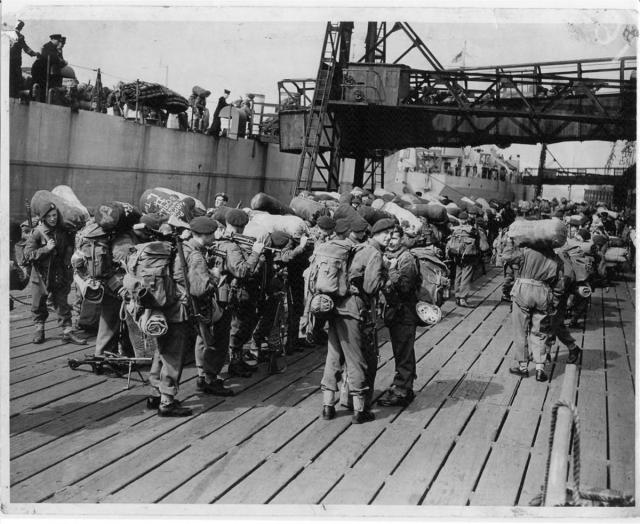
247 241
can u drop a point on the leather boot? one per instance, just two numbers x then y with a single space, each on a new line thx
38 336
328 404
69 336
360 414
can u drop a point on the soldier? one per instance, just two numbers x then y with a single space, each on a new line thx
536 295
352 326
209 359
510 260
49 249
323 229
221 200
400 317
238 293
463 249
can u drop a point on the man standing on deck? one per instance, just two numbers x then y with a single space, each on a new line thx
536 295
16 46
216 124
400 317
352 328
49 249
463 249
238 293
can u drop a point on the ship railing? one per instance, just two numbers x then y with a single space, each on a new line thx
581 171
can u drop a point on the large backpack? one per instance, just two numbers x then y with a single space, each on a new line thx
461 243
329 268
149 275
581 263
434 280
95 246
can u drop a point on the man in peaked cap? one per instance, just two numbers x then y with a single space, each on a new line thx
17 45
216 124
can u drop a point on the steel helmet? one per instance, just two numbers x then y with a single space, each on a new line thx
428 313
584 291
321 305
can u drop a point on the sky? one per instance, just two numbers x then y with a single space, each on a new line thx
250 49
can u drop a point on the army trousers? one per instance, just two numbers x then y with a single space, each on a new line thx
464 276
349 343
210 357
168 359
509 271
58 297
109 325
402 342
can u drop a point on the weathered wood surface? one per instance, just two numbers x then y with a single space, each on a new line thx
474 435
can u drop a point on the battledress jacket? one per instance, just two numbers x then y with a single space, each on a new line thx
59 260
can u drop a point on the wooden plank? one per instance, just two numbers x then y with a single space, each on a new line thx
456 479
593 435
519 428
414 474
324 471
500 485
218 427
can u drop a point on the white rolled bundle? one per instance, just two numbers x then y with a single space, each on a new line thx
414 224
257 231
453 220
153 323
615 254
290 224
381 193
538 233
466 203
453 209
326 195
182 196
482 202
66 193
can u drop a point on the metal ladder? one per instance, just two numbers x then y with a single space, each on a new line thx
319 121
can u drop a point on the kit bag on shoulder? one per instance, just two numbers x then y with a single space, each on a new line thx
149 278
462 243
433 279
329 269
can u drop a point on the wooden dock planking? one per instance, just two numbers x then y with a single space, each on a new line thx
269 445
234 421
458 476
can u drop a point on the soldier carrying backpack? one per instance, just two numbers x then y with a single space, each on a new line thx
462 248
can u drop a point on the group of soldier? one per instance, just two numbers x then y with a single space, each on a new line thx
229 289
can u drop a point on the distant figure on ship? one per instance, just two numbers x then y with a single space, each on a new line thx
216 126
16 46
46 70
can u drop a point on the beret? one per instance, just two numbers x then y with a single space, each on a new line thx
237 217
203 225
463 216
342 226
152 221
584 234
358 224
279 239
382 225
326 222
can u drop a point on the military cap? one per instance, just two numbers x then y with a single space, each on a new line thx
358 224
584 234
227 92
203 225
382 225
463 216
151 220
56 36
279 239
237 218
223 195
326 222
342 226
